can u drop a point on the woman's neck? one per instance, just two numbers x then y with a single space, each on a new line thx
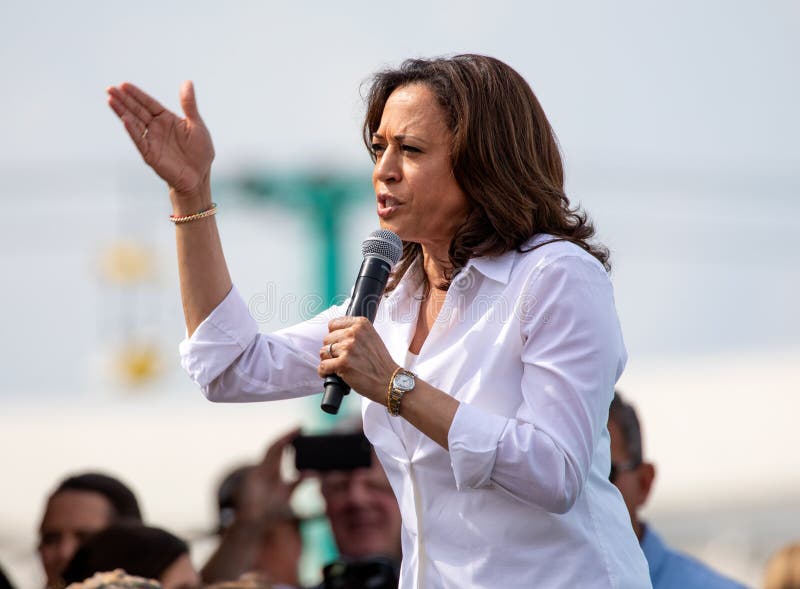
436 264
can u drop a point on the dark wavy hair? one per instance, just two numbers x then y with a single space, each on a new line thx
504 153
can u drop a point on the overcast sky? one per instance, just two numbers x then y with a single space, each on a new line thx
683 83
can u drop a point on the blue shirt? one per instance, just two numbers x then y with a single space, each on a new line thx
672 570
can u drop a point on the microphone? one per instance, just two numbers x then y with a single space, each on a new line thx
381 250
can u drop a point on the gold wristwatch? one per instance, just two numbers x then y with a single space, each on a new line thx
402 381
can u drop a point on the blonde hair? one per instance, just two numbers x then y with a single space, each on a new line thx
783 569
116 579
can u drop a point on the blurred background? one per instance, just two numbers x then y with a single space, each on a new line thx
678 123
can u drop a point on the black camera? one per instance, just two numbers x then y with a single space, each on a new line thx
332 452
370 573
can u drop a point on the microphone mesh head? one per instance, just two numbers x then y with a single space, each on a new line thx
384 244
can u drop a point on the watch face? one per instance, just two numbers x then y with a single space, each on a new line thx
404 381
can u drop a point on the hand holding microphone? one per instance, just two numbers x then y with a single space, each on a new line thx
360 353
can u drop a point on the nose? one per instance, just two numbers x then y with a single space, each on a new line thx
65 551
357 493
387 167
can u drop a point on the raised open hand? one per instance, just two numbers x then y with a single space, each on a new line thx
179 150
264 493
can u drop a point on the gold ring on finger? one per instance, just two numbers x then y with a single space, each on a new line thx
144 133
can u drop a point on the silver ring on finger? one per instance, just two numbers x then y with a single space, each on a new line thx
144 133
330 350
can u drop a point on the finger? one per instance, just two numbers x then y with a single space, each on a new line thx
325 352
189 102
116 105
136 129
152 105
335 336
341 323
272 457
278 445
327 367
132 105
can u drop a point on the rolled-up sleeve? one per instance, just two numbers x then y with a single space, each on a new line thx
232 362
473 440
218 340
572 355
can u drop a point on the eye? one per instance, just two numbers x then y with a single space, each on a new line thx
410 148
377 148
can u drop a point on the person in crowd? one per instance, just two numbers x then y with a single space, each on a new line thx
783 569
634 477
79 506
486 378
260 529
363 512
365 520
138 550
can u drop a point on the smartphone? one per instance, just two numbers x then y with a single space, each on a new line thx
332 452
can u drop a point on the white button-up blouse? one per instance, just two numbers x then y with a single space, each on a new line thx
530 345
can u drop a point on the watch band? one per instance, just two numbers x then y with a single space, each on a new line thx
389 389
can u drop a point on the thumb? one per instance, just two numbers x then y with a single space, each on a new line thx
189 102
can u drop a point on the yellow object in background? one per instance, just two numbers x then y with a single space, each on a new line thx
127 263
138 363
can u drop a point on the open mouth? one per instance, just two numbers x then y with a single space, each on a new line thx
387 205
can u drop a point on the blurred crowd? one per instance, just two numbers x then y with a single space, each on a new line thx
92 534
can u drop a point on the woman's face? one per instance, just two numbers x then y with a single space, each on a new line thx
417 194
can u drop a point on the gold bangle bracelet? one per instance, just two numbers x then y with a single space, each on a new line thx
389 390
212 210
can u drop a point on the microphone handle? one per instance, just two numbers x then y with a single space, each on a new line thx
335 389
367 293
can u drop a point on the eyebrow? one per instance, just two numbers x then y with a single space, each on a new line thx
400 137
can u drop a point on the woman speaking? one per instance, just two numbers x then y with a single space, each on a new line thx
488 373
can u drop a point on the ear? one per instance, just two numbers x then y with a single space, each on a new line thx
645 475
